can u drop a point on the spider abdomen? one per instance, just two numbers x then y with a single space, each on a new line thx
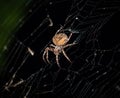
60 39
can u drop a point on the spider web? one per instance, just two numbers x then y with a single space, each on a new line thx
94 71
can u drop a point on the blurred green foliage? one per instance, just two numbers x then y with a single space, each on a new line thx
11 11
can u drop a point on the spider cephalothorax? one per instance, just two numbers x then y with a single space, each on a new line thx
59 43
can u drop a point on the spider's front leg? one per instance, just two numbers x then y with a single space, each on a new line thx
52 45
46 53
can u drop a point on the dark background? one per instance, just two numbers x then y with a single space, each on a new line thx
85 73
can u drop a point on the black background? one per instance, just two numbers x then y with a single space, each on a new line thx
108 39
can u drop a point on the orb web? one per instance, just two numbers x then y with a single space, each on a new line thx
94 71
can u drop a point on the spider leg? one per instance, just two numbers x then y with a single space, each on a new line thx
52 45
57 60
47 57
70 36
46 53
66 55
61 27
69 45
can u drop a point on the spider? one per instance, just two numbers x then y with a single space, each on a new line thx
59 43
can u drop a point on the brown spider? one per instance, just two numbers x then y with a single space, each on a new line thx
59 43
